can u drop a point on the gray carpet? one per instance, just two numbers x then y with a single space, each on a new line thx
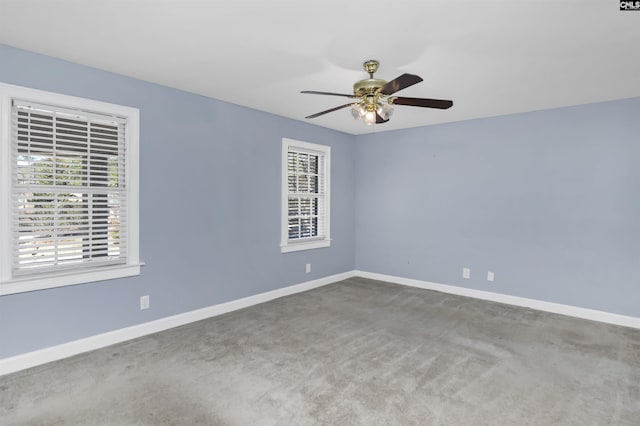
358 352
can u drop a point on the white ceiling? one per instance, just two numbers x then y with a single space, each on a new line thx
491 57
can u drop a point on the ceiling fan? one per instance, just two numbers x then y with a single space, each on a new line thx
372 97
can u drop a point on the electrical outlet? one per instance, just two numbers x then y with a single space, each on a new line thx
466 273
308 268
144 302
490 276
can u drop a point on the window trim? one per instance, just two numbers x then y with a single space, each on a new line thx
287 245
10 284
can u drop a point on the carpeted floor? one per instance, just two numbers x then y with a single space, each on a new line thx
358 352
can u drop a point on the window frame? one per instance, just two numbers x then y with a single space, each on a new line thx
10 283
287 245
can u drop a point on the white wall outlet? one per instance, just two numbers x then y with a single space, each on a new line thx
144 302
490 276
308 268
466 273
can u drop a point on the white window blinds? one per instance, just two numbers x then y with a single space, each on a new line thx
306 193
68 189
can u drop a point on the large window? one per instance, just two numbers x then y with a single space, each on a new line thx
69 190
305 195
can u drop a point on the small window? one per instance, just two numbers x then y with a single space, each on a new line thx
305 195
70 191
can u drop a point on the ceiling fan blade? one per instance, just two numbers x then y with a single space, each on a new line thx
422 102
402 82
379 119
331 110
313 92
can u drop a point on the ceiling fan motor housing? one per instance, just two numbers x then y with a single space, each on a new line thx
367 87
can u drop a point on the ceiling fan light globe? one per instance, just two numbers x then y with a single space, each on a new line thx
369 117
384 111
358 111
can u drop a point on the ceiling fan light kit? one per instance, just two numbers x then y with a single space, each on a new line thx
370 116
374 100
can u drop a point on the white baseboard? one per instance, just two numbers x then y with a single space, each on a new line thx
556 308
54 353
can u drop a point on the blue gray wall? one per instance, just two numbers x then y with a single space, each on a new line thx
209 208
548 200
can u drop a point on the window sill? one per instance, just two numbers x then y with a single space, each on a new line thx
33 283
304 245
